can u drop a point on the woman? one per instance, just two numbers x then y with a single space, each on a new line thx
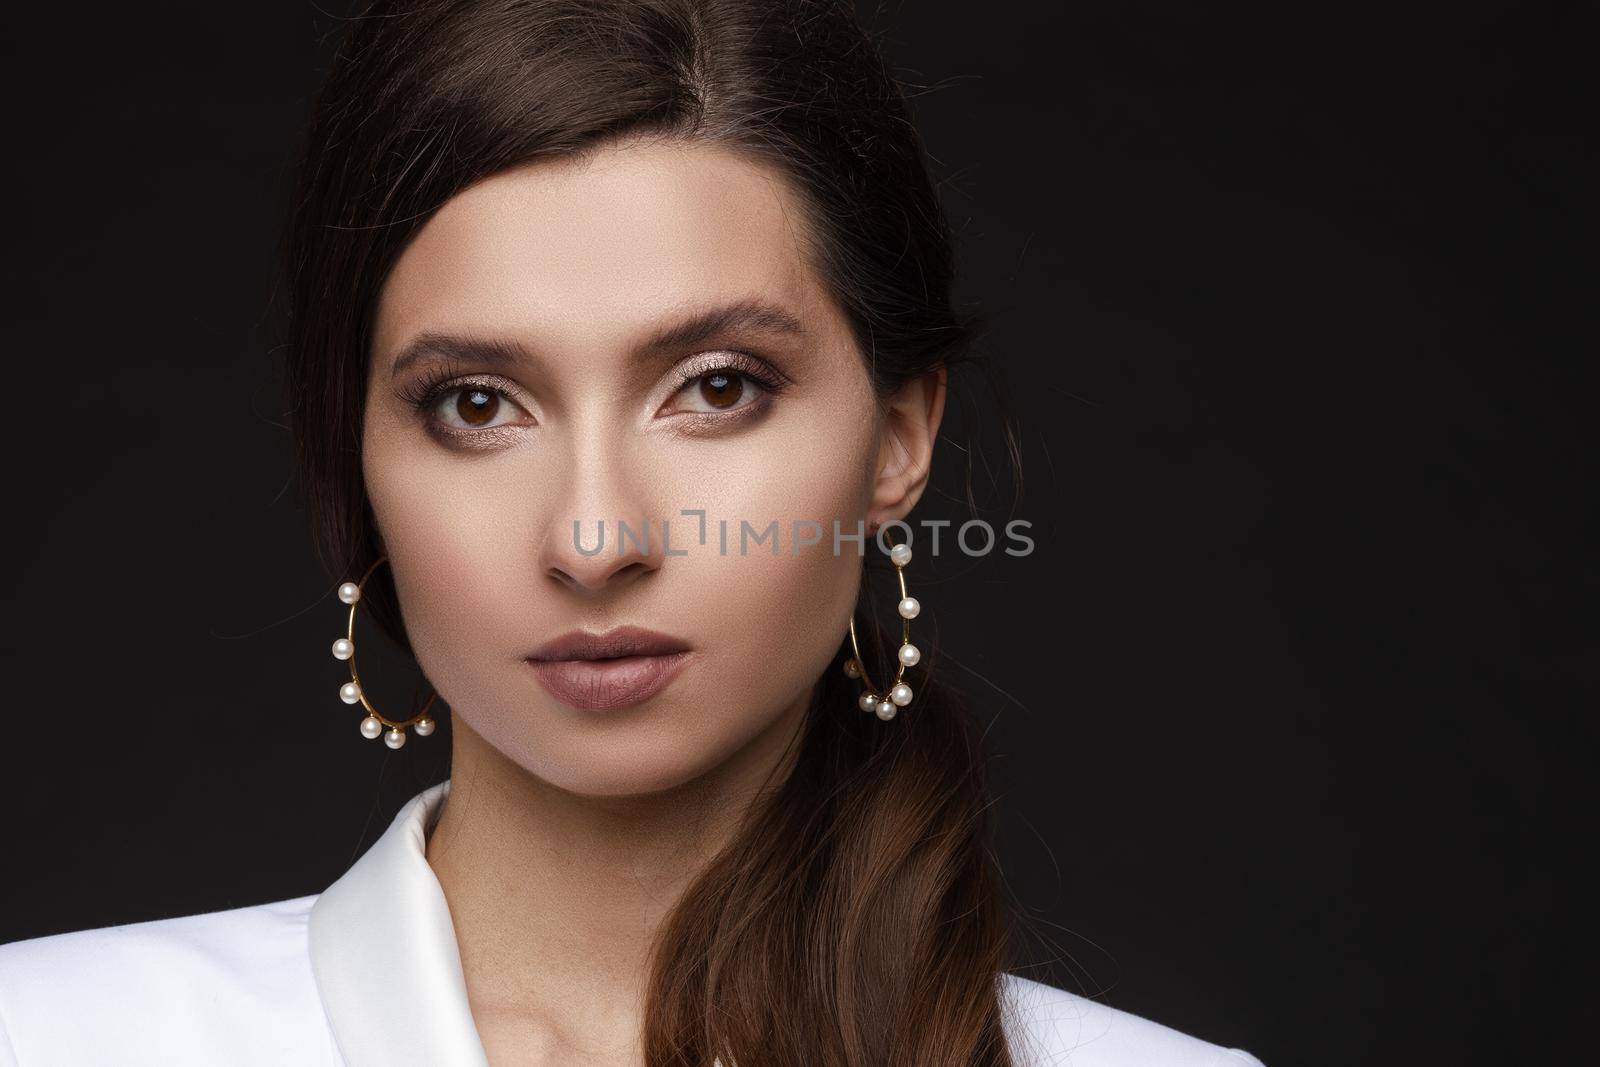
584 298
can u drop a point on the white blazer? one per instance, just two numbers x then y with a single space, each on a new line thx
367 973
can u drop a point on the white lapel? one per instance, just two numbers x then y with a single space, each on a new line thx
388 969
384 954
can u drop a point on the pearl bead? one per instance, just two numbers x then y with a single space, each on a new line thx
868 701
885 710
350 693
900 555
349 592
910 654
422 727
394 738
851 669
371 728
901 694
910 608
343 648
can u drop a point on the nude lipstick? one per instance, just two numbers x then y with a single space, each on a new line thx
616 669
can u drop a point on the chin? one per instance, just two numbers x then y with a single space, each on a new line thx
621 773
627 755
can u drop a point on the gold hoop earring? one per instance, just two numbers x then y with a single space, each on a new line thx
886 702
351 693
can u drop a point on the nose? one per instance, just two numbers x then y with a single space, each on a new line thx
603 532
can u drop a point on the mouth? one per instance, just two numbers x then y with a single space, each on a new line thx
615 669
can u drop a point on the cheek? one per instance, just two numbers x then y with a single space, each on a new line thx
447 546
796 495
769 623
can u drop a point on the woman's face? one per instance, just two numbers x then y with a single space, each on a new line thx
547 397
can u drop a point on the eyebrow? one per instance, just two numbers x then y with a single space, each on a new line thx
740 316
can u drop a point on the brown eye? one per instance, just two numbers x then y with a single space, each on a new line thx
477 406
735 385
721 389
472 406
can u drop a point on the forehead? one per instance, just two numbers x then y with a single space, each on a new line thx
595 251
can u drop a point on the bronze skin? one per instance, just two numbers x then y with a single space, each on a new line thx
569 832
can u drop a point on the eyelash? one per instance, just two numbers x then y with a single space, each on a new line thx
425 393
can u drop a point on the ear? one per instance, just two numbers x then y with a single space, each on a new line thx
905 453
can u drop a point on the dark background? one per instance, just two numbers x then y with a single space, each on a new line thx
1288 707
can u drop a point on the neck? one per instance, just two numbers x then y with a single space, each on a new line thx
556 897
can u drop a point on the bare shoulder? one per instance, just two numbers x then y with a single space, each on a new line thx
1050 1027
167 990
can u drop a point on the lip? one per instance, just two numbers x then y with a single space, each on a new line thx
616 669
597 684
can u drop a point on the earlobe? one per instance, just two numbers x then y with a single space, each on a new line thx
905 456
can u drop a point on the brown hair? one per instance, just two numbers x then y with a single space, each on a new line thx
857 918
